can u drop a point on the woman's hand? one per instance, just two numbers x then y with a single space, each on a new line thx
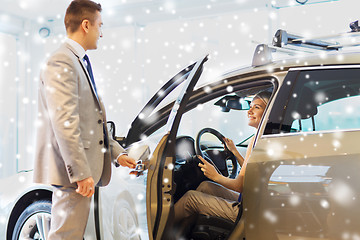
232 148
208 169
230 145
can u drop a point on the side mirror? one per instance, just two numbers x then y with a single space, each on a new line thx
111 128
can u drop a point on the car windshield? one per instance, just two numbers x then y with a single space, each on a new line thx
232 124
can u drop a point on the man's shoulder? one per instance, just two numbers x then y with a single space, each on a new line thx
63 52
65 49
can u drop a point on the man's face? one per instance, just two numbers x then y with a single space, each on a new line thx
95 32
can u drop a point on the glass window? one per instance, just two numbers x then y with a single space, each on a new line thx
324 100
8 105
232 123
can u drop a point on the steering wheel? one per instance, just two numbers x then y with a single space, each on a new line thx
227 153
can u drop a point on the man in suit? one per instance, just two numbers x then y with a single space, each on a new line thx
74 150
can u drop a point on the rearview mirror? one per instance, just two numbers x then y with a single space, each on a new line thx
233 102
239 104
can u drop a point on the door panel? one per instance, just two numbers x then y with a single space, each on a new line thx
159 181
304 186
154 197
303 182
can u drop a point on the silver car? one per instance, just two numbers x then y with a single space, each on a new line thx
302 178
301 181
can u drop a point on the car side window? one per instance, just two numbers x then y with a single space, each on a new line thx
324 100
340 114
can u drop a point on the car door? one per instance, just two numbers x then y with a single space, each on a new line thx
159 180
143 124
123 210
302 178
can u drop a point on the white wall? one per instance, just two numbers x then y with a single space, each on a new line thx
318 19
8 104
21 53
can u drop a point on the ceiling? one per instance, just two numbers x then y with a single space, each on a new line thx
129 11
14 13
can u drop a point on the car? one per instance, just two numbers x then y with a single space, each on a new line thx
301 180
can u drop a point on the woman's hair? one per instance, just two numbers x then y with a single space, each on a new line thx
78 11
263 96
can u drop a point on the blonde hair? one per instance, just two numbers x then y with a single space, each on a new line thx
263 96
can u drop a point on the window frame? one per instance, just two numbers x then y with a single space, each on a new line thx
277 115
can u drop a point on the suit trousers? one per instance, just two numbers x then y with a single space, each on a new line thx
210 199
69 214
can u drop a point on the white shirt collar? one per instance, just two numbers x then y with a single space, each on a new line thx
77 47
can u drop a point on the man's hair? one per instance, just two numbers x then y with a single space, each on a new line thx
78 11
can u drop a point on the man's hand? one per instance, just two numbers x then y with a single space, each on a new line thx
126 161
208 169
86 187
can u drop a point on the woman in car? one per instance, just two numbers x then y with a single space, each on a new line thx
221 197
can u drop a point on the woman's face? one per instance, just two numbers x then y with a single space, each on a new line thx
255 112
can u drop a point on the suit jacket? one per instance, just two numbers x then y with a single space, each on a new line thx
70 134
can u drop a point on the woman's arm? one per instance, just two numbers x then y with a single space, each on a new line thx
231 146
233 184
210 172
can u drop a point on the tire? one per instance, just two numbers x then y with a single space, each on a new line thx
34 222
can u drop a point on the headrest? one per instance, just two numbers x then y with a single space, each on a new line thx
307 107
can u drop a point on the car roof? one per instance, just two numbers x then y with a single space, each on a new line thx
315 60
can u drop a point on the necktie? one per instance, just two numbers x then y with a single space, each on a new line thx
89 69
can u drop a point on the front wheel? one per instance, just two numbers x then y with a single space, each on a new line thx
34 222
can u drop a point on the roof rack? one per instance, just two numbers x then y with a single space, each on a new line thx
294 44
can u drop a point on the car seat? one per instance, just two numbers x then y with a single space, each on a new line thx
306 108
213 228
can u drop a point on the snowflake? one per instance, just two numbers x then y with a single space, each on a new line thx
270 216
295 200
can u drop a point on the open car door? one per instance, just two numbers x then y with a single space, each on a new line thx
159 180
146 121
